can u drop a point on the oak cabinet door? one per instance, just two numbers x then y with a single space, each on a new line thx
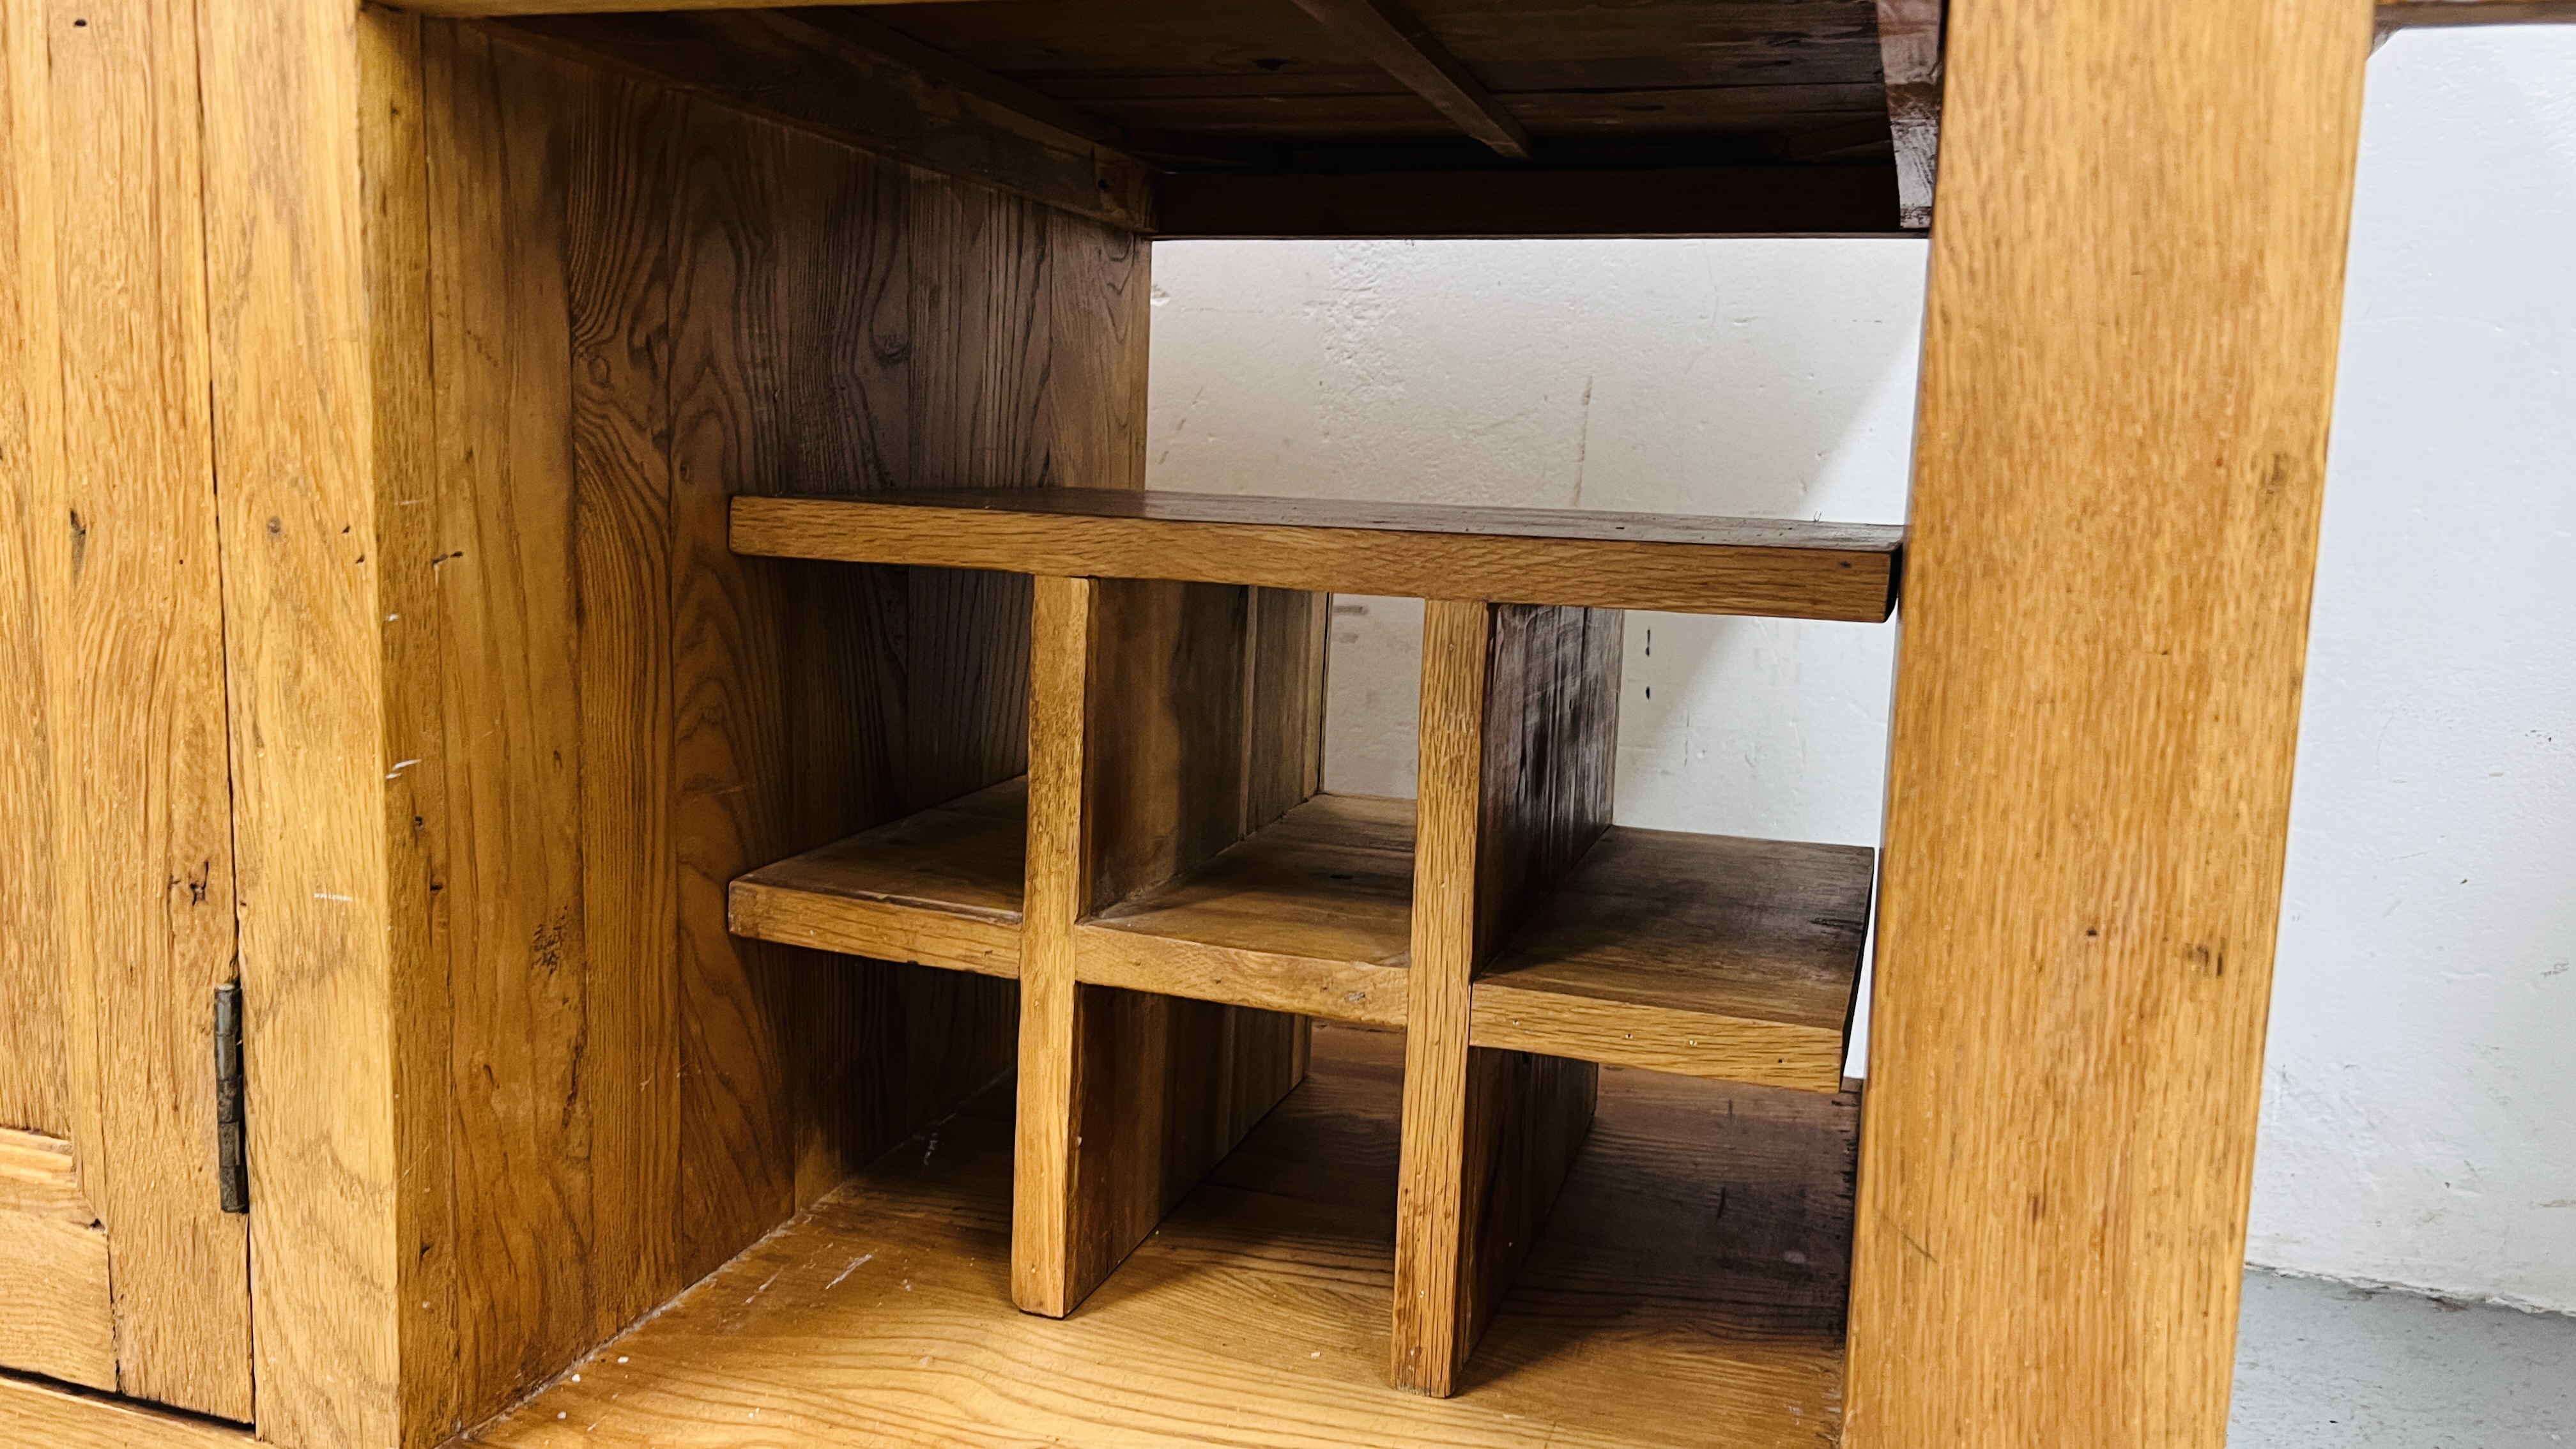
119 1267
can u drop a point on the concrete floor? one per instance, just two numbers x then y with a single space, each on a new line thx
2323 1366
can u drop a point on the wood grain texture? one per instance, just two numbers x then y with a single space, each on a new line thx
36 1041
55 1316
1402 46
777 65
593 308
1309 914
2402 14
941 888
1042 1177
291 251
61 1419
1424 1347
1643 1317
2089 789
1779 568
1909 39
1708 955
1139 771
1519 723
1740 201
134 640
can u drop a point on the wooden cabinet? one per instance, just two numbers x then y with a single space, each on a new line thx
593 564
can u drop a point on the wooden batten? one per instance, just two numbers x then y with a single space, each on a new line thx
1909 41
1405 48
2407 14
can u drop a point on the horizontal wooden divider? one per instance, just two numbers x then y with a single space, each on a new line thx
1707 955
1780 568
941 888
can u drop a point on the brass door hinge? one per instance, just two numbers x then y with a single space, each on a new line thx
233 1166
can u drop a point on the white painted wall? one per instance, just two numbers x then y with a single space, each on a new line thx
2420 1111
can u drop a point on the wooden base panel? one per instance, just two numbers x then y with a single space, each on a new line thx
1257 1315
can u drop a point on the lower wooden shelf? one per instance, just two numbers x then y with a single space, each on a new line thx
941 888
1707 955
1311 914
1689 1288
1710 955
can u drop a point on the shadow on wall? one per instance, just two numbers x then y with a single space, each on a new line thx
1768 379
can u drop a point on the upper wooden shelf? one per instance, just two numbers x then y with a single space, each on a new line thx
1781 568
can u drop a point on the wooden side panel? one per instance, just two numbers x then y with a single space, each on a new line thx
641 304
2089 788
1519 729
291 257
509 648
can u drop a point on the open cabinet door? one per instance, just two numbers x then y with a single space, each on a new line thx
120 1268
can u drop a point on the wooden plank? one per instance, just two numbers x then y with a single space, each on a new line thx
1137 764
51 1415
306 461
144 821
1909 38
1644 1316
1783 568
1405 48
411 537
1043 1178
2404 14
788 70
510 642
1519 721
36 1043
55 1314
1310 914
941 888
623 150
2088 794
1424 1351
1702 954
1780 201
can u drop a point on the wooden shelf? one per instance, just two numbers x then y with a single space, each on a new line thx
1708 955
1781 568
1258 1312
1312 914
941 888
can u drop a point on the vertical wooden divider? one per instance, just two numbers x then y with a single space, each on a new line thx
1519 729
1145 759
